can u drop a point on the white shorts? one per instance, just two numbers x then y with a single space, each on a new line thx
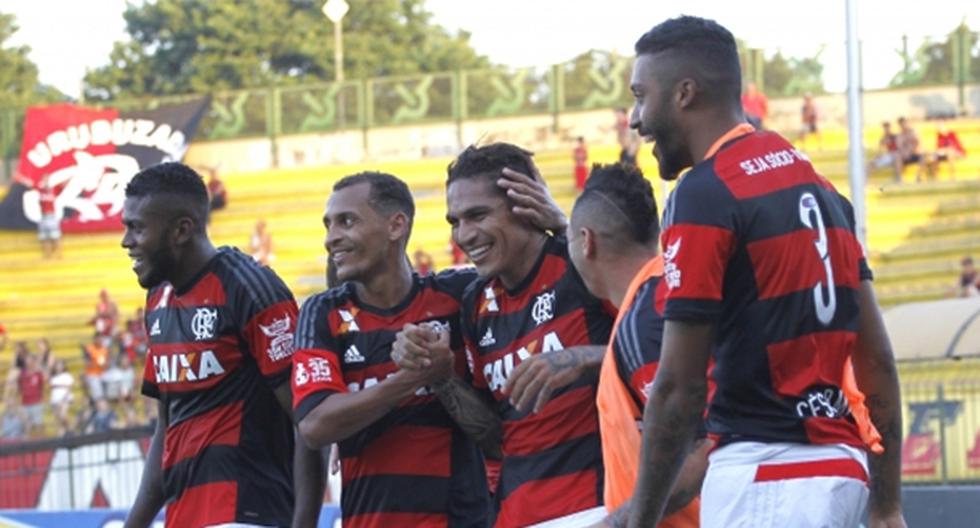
755 485
885 160
49 228
575 520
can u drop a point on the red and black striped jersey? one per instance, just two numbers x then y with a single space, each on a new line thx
760 244
552 462
636 342
414 466
218 348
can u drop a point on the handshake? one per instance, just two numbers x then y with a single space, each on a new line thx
422 353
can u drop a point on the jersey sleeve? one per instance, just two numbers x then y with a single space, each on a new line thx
864 270
637 344
268 316
317 372
698 242
467 326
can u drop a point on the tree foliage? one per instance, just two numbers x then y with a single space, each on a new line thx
184 46
933 62
792 76
19 84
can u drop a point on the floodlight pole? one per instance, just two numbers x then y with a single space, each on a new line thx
335 11
855 127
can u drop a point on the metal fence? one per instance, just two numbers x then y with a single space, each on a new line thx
96 470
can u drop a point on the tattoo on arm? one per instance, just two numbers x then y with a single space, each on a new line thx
581 357
473 415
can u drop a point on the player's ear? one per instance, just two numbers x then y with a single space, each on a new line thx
589 242
685 91
182 230
399 226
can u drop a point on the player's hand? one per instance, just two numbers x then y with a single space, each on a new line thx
440 360
892 520
534 381
532 200
410 351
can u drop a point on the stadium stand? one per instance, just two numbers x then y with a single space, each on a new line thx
917 234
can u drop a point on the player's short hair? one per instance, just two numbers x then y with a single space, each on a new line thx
489 160
388 194
705 51
182 184
620 199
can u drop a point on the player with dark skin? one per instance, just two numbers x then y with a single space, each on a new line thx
166 238
685 108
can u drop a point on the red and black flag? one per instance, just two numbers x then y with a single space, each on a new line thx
88 156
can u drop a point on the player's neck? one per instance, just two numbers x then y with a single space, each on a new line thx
192 262
621 272
709 130
515 276
386 290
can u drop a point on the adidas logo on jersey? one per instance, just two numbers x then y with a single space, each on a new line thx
155 330
353 355
487 339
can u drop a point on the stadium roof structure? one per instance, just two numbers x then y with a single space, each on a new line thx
933 330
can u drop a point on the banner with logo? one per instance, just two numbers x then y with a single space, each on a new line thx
88 156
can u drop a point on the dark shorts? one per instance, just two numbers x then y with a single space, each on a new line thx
914 158
810 127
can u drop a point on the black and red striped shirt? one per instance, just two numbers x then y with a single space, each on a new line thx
218 348
760 244
552 463
414 466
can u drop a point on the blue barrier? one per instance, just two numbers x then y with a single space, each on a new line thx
106 518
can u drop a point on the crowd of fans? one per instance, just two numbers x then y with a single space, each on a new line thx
41 394
904 148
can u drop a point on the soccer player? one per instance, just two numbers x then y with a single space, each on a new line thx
405 461
612 240
220 330
764 273
529 305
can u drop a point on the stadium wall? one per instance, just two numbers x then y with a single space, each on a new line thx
537 132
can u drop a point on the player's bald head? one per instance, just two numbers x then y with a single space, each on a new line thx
617 204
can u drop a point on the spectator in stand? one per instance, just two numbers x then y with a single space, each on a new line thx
260 245
14 426
217 194
3 337
909 148
62 383
948 148
629 141
756 106
423 262
103 418
112 382
969 280
581 157
127 391
106 315
31 386
887 154
10 383
49 228
47 356
809 117
96 360
132 341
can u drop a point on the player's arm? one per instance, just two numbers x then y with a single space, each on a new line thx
150 497
342 414
534 381
671 416
309 474
416 349
877 377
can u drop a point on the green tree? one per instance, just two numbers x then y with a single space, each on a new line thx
788 76
19 84
184 46
933 62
